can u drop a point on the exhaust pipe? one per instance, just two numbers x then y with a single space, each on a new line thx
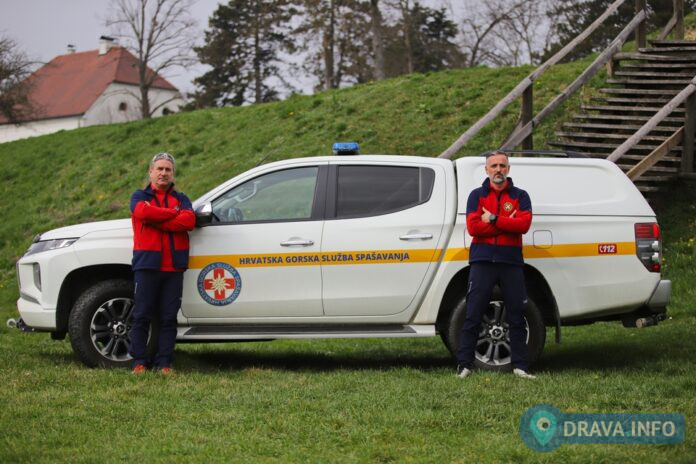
19 324
642 322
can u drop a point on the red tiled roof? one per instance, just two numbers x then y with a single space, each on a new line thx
69 84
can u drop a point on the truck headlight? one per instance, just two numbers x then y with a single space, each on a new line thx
46 245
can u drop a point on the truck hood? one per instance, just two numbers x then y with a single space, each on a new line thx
80 230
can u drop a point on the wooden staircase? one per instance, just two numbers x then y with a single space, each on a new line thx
641 84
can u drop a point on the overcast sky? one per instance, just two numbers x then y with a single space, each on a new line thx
44 28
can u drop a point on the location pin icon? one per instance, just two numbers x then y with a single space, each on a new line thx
543 425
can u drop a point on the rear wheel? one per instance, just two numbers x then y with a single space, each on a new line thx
100 322
493 345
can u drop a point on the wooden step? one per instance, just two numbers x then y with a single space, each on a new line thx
681 82
617 91
622 117
677 49
640 109
649 178
633 101
654 169
657 66
647 188
665 160
654 57
665 75
604 136
641 147
625 127
672 43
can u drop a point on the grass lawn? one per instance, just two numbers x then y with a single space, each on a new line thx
381 400
337 401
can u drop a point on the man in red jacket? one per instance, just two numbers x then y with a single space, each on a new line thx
161 217
497 214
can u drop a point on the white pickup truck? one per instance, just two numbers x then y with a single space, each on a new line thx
361 246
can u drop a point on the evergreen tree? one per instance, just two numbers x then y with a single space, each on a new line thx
434 48
422 41
337 35
242 45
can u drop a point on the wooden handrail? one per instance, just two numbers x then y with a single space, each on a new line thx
523 132
656 155
653 122
526 82
668 28
676 22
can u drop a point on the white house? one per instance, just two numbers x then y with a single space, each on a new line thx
88 88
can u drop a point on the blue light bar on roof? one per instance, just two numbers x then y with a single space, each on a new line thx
346 148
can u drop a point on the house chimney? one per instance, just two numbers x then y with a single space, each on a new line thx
71 49
105 43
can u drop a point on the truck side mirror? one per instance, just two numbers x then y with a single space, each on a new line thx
204 214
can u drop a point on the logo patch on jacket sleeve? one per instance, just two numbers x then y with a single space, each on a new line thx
219 284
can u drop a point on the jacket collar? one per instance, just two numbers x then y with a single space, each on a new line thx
487 185
149 190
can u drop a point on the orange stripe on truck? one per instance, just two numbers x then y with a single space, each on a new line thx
404 256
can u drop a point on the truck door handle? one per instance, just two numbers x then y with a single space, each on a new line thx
416 237
297 242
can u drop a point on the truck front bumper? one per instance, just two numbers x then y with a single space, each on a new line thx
35 316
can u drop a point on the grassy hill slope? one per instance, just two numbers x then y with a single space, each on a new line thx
88 174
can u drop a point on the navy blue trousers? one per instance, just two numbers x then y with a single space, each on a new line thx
483 276
157 296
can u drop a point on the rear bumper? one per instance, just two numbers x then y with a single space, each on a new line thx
660 297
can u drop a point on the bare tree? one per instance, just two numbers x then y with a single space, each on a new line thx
15 68
336 35
505 32
160 33
521 39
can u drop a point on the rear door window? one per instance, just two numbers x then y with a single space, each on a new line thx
373 190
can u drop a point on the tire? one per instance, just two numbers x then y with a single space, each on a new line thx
99 324
493 346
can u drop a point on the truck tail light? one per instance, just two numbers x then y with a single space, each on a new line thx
649 245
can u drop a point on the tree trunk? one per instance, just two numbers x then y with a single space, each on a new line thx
144 90
329 49
406 21
144 101
258 98
377 44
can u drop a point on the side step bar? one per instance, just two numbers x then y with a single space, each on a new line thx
205 333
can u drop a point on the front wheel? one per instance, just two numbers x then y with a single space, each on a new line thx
493 345
99 324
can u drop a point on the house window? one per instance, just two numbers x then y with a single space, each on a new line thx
122 106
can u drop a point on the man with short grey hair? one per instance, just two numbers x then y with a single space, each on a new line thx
497 214
161 217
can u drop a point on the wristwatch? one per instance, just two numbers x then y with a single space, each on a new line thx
492 218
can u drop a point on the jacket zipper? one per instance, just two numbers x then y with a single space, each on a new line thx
497 213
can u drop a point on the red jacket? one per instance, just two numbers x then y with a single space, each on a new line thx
501 242
160 224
